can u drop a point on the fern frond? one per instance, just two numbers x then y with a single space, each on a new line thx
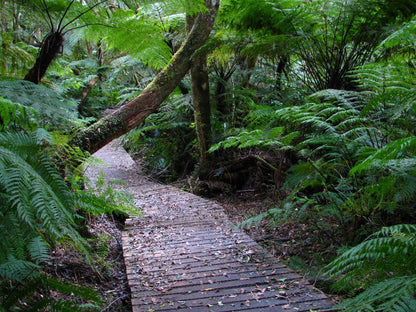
390 295
38 198
133 33
52 109
252 138
17 270
14 114
38 250
405 35
106 198
401 148
388 251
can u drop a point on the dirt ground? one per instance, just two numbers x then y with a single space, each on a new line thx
109 275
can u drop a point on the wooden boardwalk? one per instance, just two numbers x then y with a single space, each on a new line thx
183 254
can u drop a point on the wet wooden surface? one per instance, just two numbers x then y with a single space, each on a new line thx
183 253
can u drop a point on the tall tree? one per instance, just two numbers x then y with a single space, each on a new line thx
128 116
201 101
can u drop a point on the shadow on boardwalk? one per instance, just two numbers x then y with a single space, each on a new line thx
183 254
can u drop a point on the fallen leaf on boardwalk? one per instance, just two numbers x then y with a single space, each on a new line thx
260 289
153 300
287 306
256 296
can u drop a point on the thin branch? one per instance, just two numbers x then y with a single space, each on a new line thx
82 13
49 17
63 16
113 302
92 24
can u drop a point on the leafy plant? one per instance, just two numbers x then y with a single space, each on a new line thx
38 210
384 266
354 152
52 111
14 115
345 35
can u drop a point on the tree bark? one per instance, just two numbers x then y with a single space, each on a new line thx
201 103
51 46
202 108
279 72
82 109
131 114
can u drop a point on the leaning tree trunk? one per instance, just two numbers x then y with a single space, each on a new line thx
131 114
51 46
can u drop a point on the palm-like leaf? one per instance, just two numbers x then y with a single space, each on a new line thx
37 202
387 257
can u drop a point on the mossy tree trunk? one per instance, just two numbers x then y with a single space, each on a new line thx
201 103
131 114
202 108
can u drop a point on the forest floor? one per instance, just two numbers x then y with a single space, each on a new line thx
108 277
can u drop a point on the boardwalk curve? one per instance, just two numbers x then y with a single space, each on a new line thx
183 253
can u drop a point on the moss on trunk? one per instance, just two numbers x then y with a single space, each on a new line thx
130 115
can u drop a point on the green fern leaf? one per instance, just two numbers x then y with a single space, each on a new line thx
401 148
17 270
391 295
38 250
52 109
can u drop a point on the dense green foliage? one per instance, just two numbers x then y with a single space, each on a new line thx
37 210
321 94
40 209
